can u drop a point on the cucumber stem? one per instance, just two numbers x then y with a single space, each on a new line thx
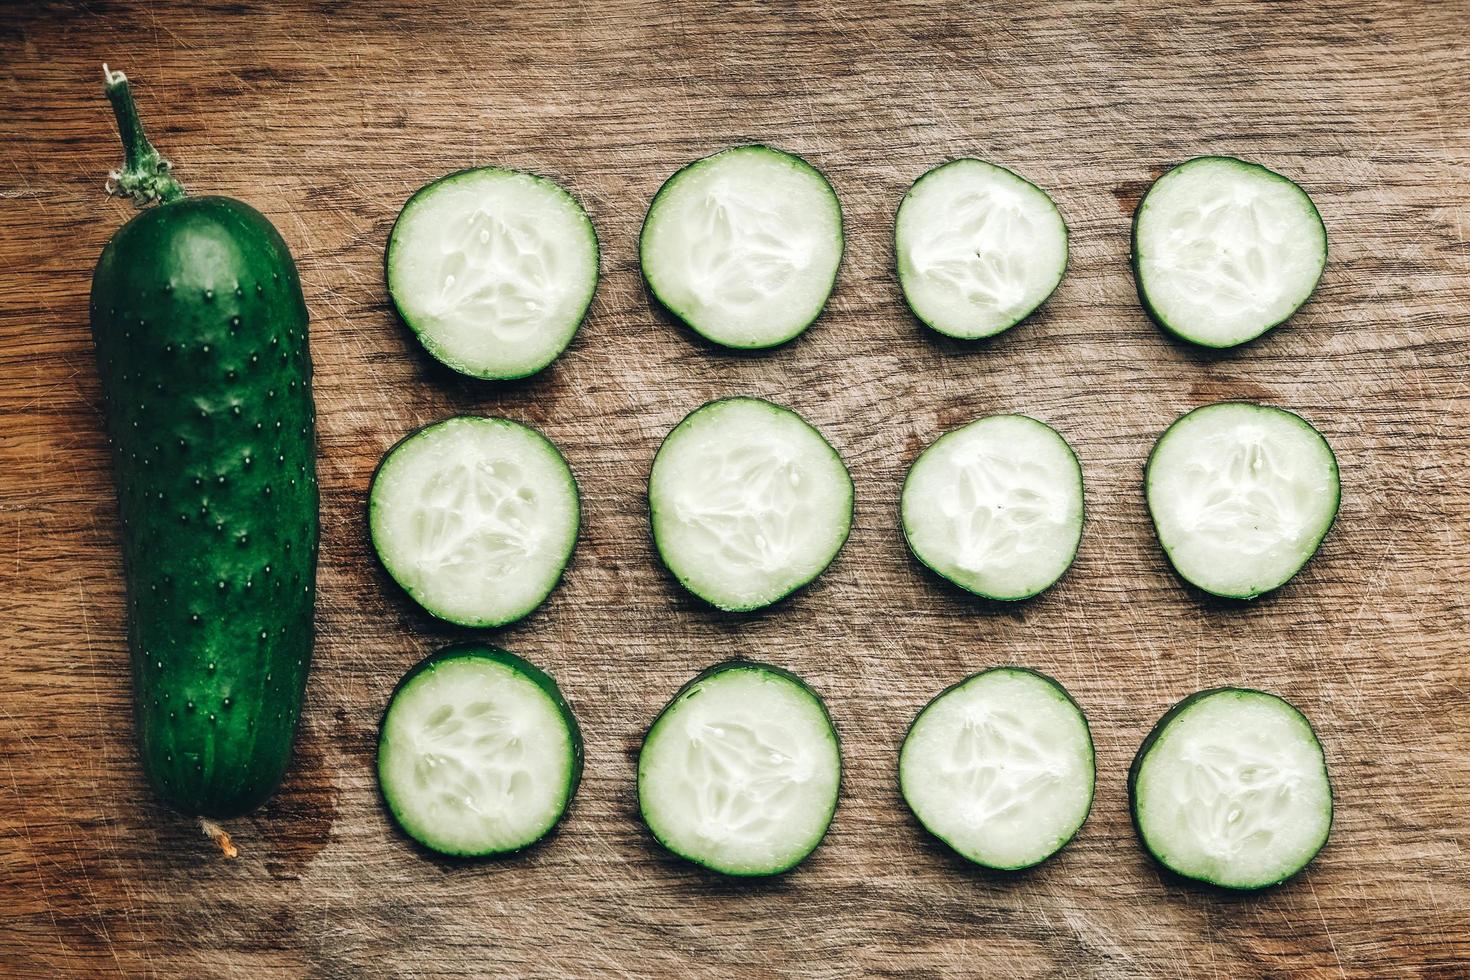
145 175
220 837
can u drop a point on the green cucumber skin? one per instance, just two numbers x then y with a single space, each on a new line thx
695 681
1134 263
1336 509
483 651
201 336
1153 736
1091 747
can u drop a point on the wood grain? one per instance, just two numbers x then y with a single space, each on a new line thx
328 115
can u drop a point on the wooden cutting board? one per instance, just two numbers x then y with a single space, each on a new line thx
328 115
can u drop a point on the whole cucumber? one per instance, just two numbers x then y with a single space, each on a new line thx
201 337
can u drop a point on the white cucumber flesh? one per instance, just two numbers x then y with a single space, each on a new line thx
740 772
743 246
475 518
1000 767
978 248
996 506
478 753
493 270
748 503
1224 250
1231 788
1241 496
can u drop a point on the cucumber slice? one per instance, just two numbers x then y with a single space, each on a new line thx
1000 767
1224 250
739 773
748 503
493 270
475 518
1241 496
995 506
1231 788
743 246
978 247
478 752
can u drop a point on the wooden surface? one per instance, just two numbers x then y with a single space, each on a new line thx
327 116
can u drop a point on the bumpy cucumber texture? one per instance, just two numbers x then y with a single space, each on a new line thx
743 246
493 270
1231 788
740 771
996 506
1241 496
478 753
1224 250
978 248
475 518
1000 767
748 503
201 335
